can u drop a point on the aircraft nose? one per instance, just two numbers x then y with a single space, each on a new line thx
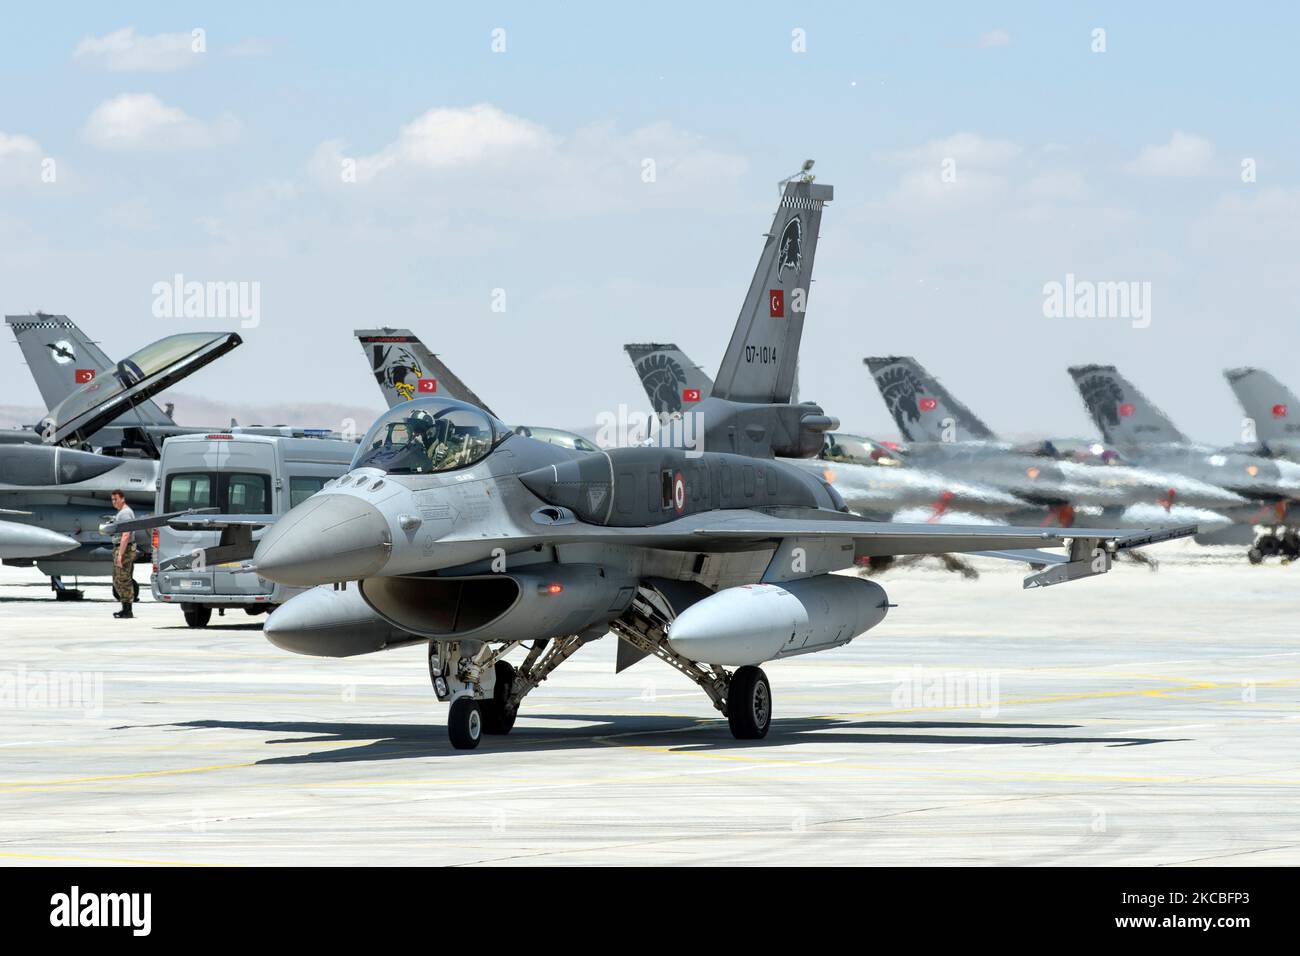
327 538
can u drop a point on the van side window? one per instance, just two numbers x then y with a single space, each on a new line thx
189 490
302 487
248 494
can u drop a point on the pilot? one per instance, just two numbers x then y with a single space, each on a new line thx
123 558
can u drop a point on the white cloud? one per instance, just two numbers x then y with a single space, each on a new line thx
961 168
141 121
1184 155
443 139
998 37
482 156
20 159
125 51
968 148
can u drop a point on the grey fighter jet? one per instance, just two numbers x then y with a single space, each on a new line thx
945 435
454 530
56 492
1139 432
875 480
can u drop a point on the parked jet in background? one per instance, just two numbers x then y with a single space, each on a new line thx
1271 407
865 472
944 435
1139 432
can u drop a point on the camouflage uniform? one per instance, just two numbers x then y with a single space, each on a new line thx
123 583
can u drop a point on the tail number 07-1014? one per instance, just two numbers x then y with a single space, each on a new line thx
760 354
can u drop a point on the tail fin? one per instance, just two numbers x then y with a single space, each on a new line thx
671 380
759 365
922 407
1267 402
62 359
405 369
1123 415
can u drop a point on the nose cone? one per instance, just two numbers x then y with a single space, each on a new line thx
327 538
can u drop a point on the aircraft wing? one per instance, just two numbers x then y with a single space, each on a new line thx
1089 549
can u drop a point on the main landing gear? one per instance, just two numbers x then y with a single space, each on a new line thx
1284 542
485 690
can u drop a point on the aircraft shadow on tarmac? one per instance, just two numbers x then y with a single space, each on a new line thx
405 741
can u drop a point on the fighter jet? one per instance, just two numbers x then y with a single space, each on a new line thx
56 493
945 435
63 361
1272 411
875 480
455 530
1137 431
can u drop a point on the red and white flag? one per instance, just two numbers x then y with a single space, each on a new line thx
84 375
428 385
776 303
928 404
1126 410
690 395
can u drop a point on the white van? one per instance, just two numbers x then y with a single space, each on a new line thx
235 473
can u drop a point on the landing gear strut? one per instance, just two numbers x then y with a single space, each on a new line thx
485 690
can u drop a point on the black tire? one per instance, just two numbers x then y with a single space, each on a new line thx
196 616
749 703
465 723
497 718
1254 556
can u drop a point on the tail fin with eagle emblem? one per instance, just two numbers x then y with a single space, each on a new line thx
405 369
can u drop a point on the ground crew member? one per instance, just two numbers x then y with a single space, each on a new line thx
123 558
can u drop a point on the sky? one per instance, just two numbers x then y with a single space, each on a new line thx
477 173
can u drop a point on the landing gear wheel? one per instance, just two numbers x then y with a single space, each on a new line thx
465 723
497 718
749 703
1254 556
197 616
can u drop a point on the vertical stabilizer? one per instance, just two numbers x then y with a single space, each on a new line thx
923 409
1272 406
671 381
759 364
405 369
1123 415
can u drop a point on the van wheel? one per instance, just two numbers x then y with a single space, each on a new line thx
197 616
